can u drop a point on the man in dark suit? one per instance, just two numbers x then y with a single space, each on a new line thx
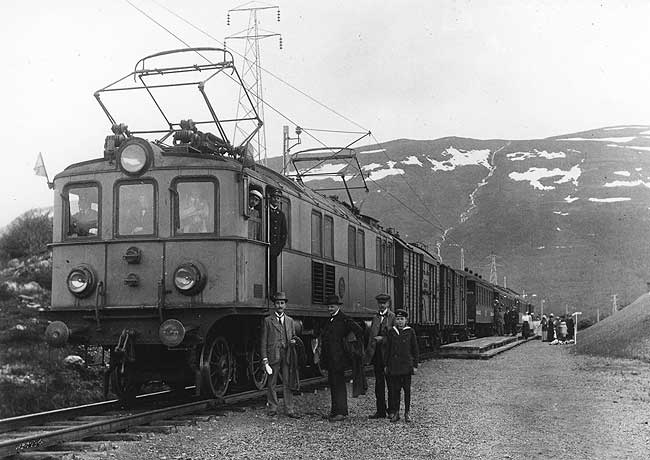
382 322
277 233
278 333
334 357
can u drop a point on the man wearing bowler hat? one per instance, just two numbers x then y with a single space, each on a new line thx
277 233
382 322
278 333
334 357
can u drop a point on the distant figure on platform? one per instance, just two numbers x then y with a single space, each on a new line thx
526 321
544 324
551 328
401 363
499 319
333 355
382 323
561 330
278 336
570 325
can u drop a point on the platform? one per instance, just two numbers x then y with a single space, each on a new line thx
483 348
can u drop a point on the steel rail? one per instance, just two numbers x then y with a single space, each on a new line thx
38 440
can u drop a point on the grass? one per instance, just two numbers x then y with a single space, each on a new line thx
33 377
626 334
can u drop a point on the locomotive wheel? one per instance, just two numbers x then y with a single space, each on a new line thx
256 368
216 367
125 383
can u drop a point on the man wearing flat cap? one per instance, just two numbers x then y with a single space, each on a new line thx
278 233
334 357
382 322
278 334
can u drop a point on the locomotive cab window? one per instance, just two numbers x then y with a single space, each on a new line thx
82 210
136 209
195 207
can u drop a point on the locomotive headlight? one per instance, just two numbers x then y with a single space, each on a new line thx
81 281
189 279
135 156
171 332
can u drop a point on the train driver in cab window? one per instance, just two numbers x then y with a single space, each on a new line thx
84 222
194 209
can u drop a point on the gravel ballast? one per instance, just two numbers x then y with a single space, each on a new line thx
534 401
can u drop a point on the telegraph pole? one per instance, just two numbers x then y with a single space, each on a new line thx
493 269
614 306
252 74
462 259
505 282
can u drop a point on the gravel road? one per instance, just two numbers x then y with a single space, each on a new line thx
536 401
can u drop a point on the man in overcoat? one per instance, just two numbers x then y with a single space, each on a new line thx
277 233
334 357
382 322
278 334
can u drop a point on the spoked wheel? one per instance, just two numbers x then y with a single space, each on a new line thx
124 383
216 367
256 367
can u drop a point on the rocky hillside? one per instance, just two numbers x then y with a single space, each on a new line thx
566 216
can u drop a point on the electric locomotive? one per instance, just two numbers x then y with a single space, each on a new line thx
160 255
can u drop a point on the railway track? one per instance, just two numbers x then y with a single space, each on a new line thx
22 436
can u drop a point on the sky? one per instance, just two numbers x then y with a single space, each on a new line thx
412 69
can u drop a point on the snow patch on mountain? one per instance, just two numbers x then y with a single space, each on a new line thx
518 156
371 166
622 173
570 199
627 183
535 175
560 213
412 160
599 139
390 171
458 157
373 151
325 170
609 200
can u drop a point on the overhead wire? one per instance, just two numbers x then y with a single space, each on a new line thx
437 225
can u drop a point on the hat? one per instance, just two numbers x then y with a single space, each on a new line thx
382 297
273 191
403 313
256 193
279 296
552 314
333 299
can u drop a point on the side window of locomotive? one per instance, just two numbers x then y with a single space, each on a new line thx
136 209
196 207
82 211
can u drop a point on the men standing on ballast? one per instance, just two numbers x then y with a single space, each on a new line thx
382 322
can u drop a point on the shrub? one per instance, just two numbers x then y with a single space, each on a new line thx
27 235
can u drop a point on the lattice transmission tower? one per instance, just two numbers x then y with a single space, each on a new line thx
251 72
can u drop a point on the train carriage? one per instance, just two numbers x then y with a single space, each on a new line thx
480 307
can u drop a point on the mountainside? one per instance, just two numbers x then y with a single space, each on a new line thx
566 216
